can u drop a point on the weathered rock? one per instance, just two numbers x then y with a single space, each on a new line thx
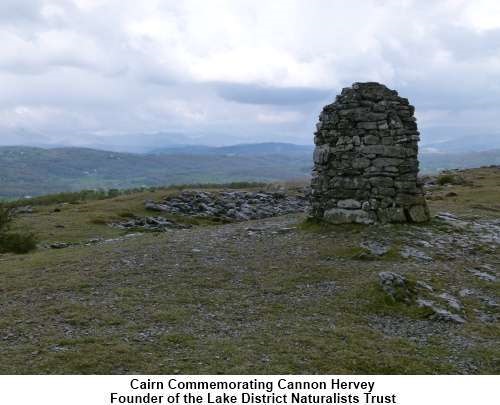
59 245
27 209
466 292
157 224
375 248
231 205
424 286
349 203
483 275
391 214
366 159
409 252
346 216
440 314
419 213
452 301
152 206
397 287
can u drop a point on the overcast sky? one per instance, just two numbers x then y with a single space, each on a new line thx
221 72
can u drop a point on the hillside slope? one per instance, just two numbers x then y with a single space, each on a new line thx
276 295
35 171
248 149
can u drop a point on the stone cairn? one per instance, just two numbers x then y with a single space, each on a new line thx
365 161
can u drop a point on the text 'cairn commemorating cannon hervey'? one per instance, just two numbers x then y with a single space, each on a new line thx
365 161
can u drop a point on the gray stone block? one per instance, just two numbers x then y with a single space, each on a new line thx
366 159
345 216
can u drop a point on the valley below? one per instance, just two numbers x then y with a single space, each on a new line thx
30 171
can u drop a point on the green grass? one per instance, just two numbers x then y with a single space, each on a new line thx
297 302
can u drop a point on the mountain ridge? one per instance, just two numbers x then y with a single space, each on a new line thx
31 171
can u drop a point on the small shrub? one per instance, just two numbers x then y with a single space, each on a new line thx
445 179
5 218
113 192
17 242
451 178
13 242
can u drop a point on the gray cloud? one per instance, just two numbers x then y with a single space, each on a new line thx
15 11
258 94
95 71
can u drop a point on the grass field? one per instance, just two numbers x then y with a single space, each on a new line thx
278 295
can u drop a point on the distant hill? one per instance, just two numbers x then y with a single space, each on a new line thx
36 171
445 140
434 162
249 149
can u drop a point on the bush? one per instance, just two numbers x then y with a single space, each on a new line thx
450 178
445 179
17 242
5 218
13 242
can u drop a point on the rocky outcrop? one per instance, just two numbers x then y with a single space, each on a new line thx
365 161
154 224
400 289
230 205
397 287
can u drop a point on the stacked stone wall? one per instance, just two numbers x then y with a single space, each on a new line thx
366 159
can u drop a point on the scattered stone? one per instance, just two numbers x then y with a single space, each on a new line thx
27 209
446 216
375 248
440 314
424 286
156 224
152 206
424 243
365 160
127 236
397 287
465 292
487 318
483 275
451 194
452 301
59 245
286 229
255 229
489 301
410 252
344 216
452 220
230 205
